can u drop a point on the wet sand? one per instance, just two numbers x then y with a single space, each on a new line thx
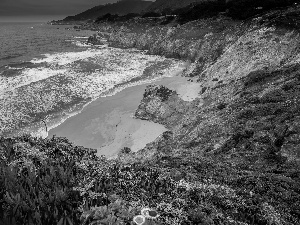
107 124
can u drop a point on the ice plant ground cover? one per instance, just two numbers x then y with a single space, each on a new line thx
56 181
231 157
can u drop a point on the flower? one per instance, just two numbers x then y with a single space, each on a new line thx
139 219
145 212
149 213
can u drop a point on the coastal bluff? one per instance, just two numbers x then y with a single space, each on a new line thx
246 119
230 155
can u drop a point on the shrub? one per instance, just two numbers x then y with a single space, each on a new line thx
167 20
151 14
244 9
69 186
202 10
117 212
130 16
43 196
107 17
237 9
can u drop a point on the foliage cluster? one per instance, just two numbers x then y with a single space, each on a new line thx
50 181
116 18
236 9
199 11
161 91
151 14
244 9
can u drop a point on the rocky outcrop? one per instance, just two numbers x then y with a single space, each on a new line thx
161 105
220 49
256 123
201 42
244 129
95 40
248 74
248 140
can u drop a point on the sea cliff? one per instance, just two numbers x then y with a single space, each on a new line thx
246 121
231 156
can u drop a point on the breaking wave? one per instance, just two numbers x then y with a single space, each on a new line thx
58 85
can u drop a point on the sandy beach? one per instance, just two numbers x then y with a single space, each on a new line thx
107 124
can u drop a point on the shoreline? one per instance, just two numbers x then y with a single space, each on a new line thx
107 123
154 67
119 88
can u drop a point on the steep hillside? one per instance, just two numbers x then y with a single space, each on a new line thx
121 8
242 132
161 5
229 157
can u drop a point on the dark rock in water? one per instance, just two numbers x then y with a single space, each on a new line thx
95 40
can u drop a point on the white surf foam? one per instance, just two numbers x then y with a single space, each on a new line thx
86 75
81 37
81 44
28 76
66 57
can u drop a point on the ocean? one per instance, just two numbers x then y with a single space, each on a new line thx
49 73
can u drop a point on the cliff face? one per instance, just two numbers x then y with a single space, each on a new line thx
161 105
242 67
244 129
249 79
257 122
249 102
219 48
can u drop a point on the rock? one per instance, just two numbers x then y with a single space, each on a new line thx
95 40
160 104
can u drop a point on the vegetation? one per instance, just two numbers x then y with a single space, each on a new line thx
245 180
116 18
151 14
236 9
50 181
202 10
244 9
118 8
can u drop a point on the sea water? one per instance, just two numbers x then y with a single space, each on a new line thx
49 73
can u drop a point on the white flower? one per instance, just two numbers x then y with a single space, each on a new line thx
145 213
139 219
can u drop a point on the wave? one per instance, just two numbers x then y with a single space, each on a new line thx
62 83
15 69
81 37
27 76
65 58
81 44
19 65
10 57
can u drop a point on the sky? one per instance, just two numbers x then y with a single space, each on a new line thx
44 10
